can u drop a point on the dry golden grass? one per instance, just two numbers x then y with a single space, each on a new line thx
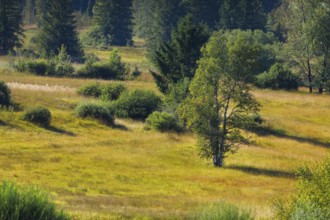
99 172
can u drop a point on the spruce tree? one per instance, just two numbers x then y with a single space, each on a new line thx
177 60
204 12
242 14
113 18
10 25
57 29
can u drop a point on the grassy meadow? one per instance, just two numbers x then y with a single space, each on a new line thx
123 172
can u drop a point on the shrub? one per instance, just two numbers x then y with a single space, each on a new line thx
62 69
91 90
136 104
162 121
112 92
111 69
278 77
34 66
222 211
38 115
312 199
95 111
27 203
95 38
4 94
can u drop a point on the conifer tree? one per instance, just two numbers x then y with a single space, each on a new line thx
57 29
242 14
10 25
177 59
113 18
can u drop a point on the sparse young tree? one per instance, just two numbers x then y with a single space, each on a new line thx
10 25
219 101
57 28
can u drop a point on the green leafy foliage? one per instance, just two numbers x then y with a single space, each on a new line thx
219 101
38 115
278 77
162 121
27 203
136 104
312 199
222 211
4 94
112 92
95 111
34 66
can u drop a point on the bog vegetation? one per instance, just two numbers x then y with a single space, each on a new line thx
181 109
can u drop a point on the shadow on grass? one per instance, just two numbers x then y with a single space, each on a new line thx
60 131
2 123
264 172
120 127
267 131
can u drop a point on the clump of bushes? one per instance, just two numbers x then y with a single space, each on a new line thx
278 77
4 94
27 203
136 104
35 66
162 121
112 92
312 199
95 111
111 69
222 211
91 90
38 115
109 92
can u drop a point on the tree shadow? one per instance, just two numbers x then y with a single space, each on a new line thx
2 123
60 131
268 131
264 172
120 127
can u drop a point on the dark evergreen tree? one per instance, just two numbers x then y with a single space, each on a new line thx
10 25
204 11
114 19
177 59
242 14
57 28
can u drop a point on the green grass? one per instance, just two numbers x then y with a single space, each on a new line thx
100 172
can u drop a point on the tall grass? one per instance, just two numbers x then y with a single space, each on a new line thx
222 211
17 203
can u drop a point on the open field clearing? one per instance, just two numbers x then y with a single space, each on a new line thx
100 172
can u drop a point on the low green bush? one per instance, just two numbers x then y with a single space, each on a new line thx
162 121
42 67
278 77
91 90
4 94
136 104
222 211
27 203
95 111
111 69
35 66
112 92
94 38
312 199
38 115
